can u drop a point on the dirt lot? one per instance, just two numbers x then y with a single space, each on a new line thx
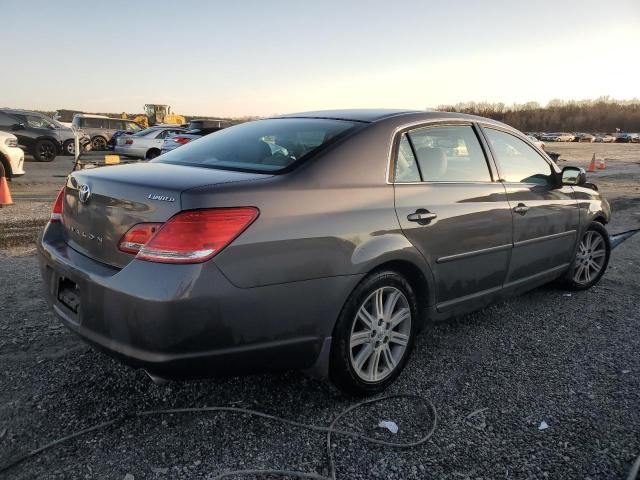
494 376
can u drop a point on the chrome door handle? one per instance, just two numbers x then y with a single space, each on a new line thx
521 208
422 216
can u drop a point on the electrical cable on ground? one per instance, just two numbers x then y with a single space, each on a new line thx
330 430
635 469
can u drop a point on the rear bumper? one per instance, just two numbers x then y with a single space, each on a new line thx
189 321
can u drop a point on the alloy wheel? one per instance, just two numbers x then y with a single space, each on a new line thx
99 143
380 334
47 151
590 257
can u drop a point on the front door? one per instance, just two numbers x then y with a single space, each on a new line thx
545 213
453 212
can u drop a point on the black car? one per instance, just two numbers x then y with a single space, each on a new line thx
39 135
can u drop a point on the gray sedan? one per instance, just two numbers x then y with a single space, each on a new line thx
147 143
319 241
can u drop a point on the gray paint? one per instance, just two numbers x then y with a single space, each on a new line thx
322 228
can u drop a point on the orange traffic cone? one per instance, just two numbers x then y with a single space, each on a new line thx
5 194
592 165
601 165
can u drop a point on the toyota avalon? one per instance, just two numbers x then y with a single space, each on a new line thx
319 241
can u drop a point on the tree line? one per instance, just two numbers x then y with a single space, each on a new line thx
603 115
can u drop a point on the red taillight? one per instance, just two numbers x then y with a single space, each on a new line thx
137 236
56 212
128 141
194 236
181 140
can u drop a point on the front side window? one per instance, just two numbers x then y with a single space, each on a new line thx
518 162
132 127
449 153
260 146
34 121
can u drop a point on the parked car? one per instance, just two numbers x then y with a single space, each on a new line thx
584 137
557 137
111 144
196 129
605 138
39 127
11 156
146 143
321 241
626 137
101 128
536 142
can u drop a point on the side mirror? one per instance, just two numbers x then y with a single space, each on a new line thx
573 176
17 126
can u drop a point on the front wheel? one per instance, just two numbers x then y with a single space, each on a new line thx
591 259
374 334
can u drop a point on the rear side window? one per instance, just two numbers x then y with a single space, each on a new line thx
89 122
518 161
260 146
449 153
406 165
116 124
132 127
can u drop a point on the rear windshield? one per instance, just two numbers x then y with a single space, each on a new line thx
260 146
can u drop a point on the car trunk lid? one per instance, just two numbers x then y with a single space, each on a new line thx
102 204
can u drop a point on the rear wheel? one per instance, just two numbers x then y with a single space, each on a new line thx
99 143
44 151
151 154
69 147
591 260
374 335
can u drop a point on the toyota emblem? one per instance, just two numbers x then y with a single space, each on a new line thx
84 192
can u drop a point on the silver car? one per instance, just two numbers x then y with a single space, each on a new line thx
320 241
146 144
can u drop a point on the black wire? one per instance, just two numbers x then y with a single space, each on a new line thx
330 430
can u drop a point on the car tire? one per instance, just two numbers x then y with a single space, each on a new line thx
69 147
6 166
151 154
591 259
99 143
44 151
368 351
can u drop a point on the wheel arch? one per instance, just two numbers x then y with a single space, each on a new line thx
55 141
416 278
7 165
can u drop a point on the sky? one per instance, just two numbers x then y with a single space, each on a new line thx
257 58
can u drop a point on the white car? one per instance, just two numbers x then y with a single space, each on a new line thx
11 156
536 142
146 144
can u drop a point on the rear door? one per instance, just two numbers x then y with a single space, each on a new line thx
453 211
545 213
25 137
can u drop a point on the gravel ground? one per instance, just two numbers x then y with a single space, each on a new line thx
494 376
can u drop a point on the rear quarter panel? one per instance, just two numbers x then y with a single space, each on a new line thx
332 216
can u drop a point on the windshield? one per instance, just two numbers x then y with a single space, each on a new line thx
259 146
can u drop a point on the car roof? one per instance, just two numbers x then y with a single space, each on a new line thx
357 114
376 115
21 112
